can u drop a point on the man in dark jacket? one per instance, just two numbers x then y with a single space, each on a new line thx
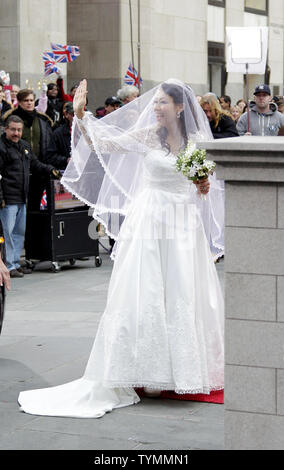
59 149
37 132
16 161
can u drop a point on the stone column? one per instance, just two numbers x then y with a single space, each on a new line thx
9 34
26 30
253 170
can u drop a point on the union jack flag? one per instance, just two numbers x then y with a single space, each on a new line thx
43 202
132 77
49 63
48 56
65 53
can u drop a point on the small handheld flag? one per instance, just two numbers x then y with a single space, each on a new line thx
49 63
131 77
66 53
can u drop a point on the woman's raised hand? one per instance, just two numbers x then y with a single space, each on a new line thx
80 101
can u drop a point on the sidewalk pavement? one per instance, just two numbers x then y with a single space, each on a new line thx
49 328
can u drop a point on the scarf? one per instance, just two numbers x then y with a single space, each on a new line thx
26 116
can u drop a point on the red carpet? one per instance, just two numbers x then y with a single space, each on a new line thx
214 397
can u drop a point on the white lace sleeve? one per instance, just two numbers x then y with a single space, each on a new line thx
117 143
82 123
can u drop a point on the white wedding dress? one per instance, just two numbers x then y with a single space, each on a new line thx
163 323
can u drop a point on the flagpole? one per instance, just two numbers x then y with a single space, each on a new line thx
131 32
139 47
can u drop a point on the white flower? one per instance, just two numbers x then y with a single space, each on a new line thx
192 172
191 147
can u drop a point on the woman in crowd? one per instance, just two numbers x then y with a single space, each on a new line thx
236 113
221 123
242 105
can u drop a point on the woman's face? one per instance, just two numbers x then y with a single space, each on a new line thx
130 98
242 105
53 92
235 113
14 91
165 109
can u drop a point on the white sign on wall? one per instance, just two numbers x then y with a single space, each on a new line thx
246 46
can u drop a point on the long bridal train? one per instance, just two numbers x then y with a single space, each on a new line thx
163 323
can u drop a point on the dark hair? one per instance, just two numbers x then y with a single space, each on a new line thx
13 118
50 86
226 98
112 101
241 100
68 107
24 93
176 92
74 86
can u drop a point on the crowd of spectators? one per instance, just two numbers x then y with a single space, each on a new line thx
266 114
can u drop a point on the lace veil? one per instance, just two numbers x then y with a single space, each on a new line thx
106 168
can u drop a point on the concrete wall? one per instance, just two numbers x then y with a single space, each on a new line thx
41 22
276 42
9 39
179 42
253 170
95 26
174 39
26 30
174 43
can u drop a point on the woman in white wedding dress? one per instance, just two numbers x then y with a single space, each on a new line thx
162 328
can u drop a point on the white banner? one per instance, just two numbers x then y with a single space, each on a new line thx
246 46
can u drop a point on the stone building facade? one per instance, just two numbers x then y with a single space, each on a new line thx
183 39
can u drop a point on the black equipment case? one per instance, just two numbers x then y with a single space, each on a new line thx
59 227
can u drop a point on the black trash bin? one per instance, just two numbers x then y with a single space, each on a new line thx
58 228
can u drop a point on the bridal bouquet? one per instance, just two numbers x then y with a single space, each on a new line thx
193 164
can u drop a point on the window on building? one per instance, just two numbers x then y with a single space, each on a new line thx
216 68
217 3
257 6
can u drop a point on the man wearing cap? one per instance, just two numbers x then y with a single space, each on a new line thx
265 119
59 148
